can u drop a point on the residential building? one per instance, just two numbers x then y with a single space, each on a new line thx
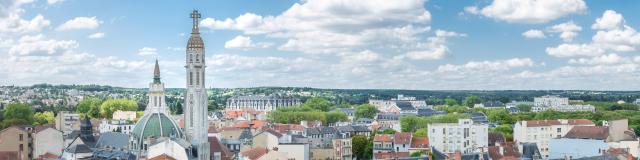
172 147
391 105
18 140
490 104
549 100
320 137
218 150
124 115
420 144
296 149
383 143
349 111
504 151
388 120
465 136
557 103
47 139
122 126
67 122
399 142
342 149
541 132
589 141
261 102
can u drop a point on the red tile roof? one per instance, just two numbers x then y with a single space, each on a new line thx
216 146
274 132
588 132
420 142
254 153
391 155
402 138
162 157
46 156
245 124
509 152
383 138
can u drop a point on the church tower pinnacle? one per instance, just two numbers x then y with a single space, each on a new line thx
195 112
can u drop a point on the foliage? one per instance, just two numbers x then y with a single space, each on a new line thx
365 111
318 103
86 104
41 118
17 114
417 154
452 109
109 106
505 130
422 132
524 107
333 117
387 131
499 116
359 144
450 102
472 100
412 123
293 115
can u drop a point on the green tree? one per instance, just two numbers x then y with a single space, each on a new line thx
41 118
472 100
17 114
366 111
499 116
109 106
178 108
450 102
94 112
86 104
505 130
333 117
387 131
524 107
422 132
359 145
417 154
318 103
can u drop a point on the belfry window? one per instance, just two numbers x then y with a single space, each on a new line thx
197 78
190 78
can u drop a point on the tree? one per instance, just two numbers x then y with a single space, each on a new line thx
17 114
42 118
359 144
505 130
333 117
416 154
499 116
109 106
450 102
94 112
86 104
422 132
366 111
524 107
178 108
387 131
318 103
472 100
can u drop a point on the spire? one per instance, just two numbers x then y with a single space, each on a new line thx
195 15
156 73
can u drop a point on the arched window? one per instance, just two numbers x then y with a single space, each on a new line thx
197 78
190 78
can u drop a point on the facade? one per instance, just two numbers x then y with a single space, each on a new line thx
47 140
541 132
388 105
490 104
548 100
67 122
260 102
156 122
298 151
560 104
465 136
122 126
17 139
196 123
124 115
342 149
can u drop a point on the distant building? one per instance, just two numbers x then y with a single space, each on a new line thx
465 136
541 132
350 112
67 122
17 140
589 141
122 126
47 139
388 120
392 105
261 103
342 149
490 104
124 115
560 104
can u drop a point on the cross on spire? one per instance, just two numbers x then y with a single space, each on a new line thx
195 15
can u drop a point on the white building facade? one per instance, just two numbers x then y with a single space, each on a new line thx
557 103
116 125
464 136
542 131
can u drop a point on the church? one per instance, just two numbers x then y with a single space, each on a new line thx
157 135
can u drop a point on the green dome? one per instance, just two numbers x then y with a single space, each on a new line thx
156 124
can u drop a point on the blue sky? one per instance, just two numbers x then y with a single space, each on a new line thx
399 44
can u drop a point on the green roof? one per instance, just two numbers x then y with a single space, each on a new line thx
156 124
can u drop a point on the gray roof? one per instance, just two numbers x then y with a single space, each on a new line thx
261 97
80 148
388 116
346 110
113 154
320 130
113 140
430 112
530 151
493 104
405 106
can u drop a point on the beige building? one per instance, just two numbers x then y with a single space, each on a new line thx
47 139
124 115
67 122
342 149
17 139
542 131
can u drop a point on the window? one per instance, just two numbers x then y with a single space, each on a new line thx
198 78
21 147
190 78
559 130
20 137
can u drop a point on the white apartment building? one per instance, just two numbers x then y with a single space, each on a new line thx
464 136
560 104
542 131
387 105
547 101
124 115
67 122
113 125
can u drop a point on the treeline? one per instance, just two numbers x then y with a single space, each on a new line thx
313 109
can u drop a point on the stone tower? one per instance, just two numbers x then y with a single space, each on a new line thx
196 124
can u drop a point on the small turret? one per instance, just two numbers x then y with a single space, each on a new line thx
156 73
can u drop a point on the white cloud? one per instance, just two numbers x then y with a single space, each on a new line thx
488 65
15 24
610 20
51 2
80 23
96 35
147 51
435 48
567 30
530 11
575 50
533 33
239 42
599 60
34 45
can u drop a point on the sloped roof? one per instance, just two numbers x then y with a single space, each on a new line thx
383 138
81 148
509 151
113 139
420 142
404 106
539 123
588 132
254 153
402 138
216 146
162 157
391 155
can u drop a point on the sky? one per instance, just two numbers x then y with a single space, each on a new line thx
350 44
